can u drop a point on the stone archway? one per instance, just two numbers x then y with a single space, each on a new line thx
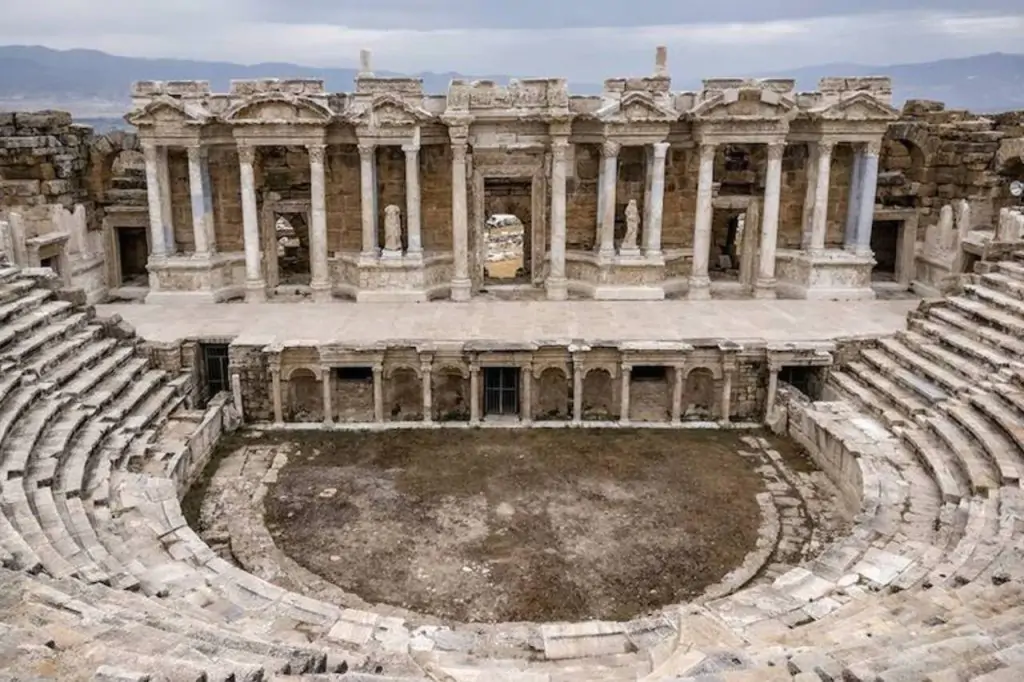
553 399
305 397
599 396
699 395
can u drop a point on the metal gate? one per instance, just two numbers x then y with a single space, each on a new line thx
215 371
501 390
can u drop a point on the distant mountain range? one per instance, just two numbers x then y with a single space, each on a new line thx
94 85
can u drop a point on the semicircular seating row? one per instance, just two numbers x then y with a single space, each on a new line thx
102 579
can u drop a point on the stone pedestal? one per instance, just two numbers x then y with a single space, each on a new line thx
619 278
212 278
829 275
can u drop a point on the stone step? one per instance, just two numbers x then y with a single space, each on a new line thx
17 403
20 305
865 398
15 506
19 328
998 449
962 450
9 272
12 290
88 443
46 460
123 375
908 403
1008 304
79 362
90 378
936 373
944 357
889 367
969 325
1004 284
22 556
1009 420
929 453
141 389
45 336
50 358
22 440
50 520
988 315
965 345
982 516
1011 269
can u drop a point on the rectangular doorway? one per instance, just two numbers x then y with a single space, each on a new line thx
885 243
133 253
215 374
507 231
501 391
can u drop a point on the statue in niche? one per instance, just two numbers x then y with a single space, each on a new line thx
632 226
392 228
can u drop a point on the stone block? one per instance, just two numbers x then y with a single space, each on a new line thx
43 120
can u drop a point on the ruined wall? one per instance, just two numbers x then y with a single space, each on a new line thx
43 159
226 188
436 197
680 212
581 189
343 199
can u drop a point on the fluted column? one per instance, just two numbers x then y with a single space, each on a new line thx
853 201
700 283
163 168
624 378
197 192
556 284
765 285
577 392
609 180
368 198
328 394
320 280
819 219
869 185
461 286
474 393
652 231
157 246
412 200
255 288
426 384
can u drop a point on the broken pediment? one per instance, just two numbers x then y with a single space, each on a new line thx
164 110
389 110
859 107
746 103
278 109
637 107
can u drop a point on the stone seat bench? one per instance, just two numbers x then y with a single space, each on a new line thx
988 315
1005 303
982 525
1002 533
1011 269
17 306
19 328
45 460
45 336
969 326
962 452
905 402
957 362
73 366
11 290
18 403
21 441
946 477
984 417
61 538
18 554
946 334
936 373
48 359
91 378
15 506
891 368
1004 284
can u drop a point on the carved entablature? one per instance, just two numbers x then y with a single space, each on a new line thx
403 87
278 109
750 111
543 99
638 107
388 112
859 113
307 87
167 116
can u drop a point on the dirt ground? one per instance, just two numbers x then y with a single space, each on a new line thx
518 525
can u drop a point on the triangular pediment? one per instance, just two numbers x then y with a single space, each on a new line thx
390 110
637 107
859 107
278 108
746 103
168 110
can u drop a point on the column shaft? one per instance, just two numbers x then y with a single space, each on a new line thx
328 397
157 246
765 285
577 393
609 180
652 230
460 224
677 393
275 379
819 221
727 396
868 188
412 199
236 395
197 192
773 387
426 383
368 198
626 375
700 284
211 241
853 201
255 287
165 200
378 393
807 221
318 258
474 394
526 408
556 285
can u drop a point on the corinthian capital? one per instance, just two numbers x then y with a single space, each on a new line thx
873 148
246 154
559 149
316 152
776 150
195 152
610 149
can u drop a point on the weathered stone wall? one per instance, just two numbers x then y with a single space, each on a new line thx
250 363
43 159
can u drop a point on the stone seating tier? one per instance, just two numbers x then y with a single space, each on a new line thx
102 578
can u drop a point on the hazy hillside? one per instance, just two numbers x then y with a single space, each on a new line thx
95 85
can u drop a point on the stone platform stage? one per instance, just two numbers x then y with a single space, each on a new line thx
518 321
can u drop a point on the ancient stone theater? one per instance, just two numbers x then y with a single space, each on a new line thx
511 384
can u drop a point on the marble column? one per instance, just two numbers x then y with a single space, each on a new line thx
556 284
625 376
328 393
819 215
204 165
474 394
764 287
726 408
652 230
255 287
773 388
368 199
526 404
868 187
163 168
157 246
426 383
236 395
678 373
197 191
811 177
461 286
609 180
853 202
700 283
275 379
320 279
412 200
378 393
577 392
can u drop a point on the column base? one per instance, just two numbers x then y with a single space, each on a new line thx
255 292
322 293
700 289
765 289
462 290
557 288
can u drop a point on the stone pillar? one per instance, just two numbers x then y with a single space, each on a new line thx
868 187
625 376
426 385
204 164
368 199
255 288
275 379
556 284
328 397
378 393
163 169
807 218
609 180
197 191
461 285
236 394
853 203
700 283
577 392
764 287
652 230
819 215
412 200
526 404
678 373
474 393
726 408
157 246
773 388
320 279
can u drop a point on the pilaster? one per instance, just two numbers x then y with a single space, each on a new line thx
474 394
577 391
678 373
773 387
378 392
526 406
426 388
275 386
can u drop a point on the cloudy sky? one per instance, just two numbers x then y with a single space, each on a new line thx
585 40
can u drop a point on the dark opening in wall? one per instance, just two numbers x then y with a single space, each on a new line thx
353 373
807 380
649 373
215 376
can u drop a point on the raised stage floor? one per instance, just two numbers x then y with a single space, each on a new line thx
517 321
